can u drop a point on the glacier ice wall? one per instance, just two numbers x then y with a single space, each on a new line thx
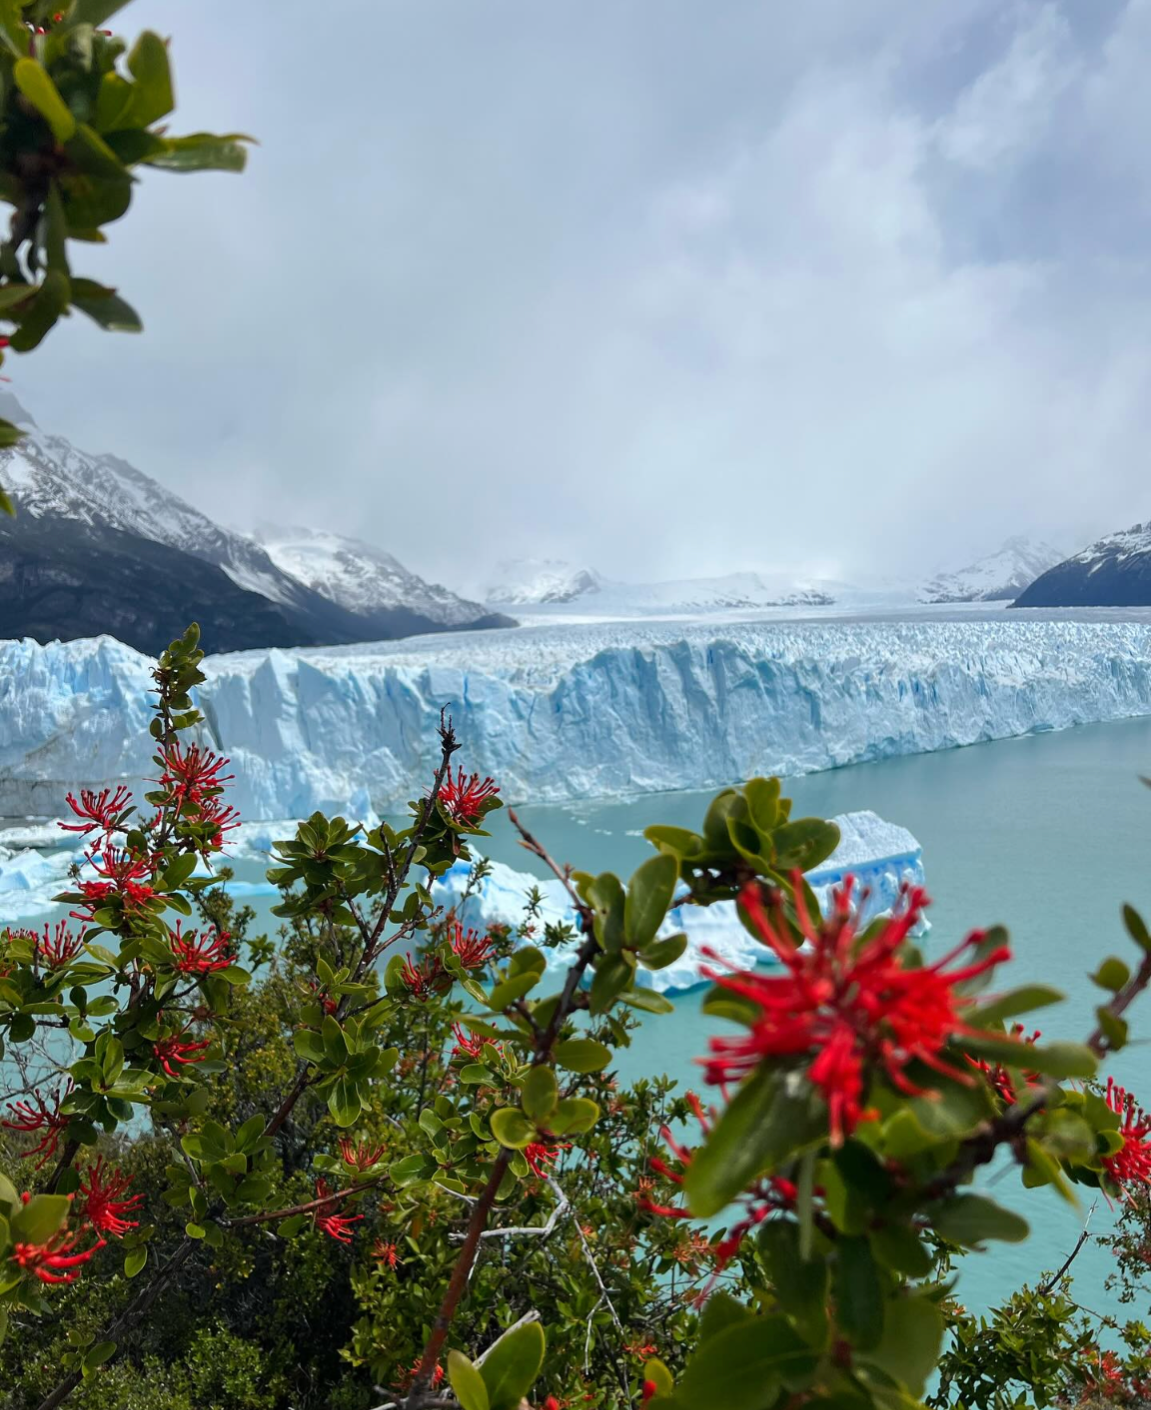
557 713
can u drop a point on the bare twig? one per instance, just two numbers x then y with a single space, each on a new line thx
538 1231
1056 1278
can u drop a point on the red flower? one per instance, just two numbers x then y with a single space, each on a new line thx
464 798
437 1374
384 1253
103 811
649 1390
200 954
551 1403
28 1118
360 1156
999 1078
471 949
59 948
56 1260
123 874
103 1207
336 1226
174 1049
540 1157
469 1045
846 1007
192 775
221 818
640 1348
325 1001
424 978
1132 1164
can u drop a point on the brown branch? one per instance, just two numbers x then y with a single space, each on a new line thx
274 1215
67 1156
1056 1278
1099 1042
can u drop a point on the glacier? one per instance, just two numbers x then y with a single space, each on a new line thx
572 712
881 856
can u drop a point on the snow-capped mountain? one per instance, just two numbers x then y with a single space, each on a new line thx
1115 571
998 577
363 578
522 582
97 546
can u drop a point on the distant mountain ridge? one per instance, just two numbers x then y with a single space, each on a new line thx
98 546
1115 571
997 577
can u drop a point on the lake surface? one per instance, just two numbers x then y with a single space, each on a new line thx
1047 834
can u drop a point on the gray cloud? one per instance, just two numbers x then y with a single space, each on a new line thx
670 288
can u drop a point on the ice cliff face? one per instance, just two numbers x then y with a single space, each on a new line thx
573 712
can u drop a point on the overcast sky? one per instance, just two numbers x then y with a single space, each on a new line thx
667 287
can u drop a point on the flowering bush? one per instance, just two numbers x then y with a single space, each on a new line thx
422 1076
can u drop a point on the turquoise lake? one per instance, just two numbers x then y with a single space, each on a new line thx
1046 834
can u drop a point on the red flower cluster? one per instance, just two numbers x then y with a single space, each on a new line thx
27 1119
423 978
360 1155
464 798
541 1157
850 1008
103 1206
470 1045
175 1049
470 948
999 1078
192 775
123 875
336 1226
57 1260
1132 1164
53 947
200 954
101 812
221 818
437 1375
384 1253
766 1197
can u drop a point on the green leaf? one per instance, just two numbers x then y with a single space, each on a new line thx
800 1286
513 988
36 1221
582 1055
909 1349
720 1312
660 953
152 96
512 1365
647 1000
1016 1001
13 294
762 796
344 1103
1136 928
612 976
99 1354
308 1045
970 1219
677 840
858 1293
540 1093
201 152
572 1115
108 309
743 1367
467 1383
649 895
1112 974
335 1047
512 1128
805 843
34 81
413 1169
900 1248
763 1125
134 1261
95 12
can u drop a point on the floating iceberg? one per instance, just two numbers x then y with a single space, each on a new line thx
880 855
572 712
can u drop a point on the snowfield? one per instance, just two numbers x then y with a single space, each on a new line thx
569 712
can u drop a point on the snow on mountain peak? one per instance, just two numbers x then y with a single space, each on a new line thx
360 576
997 577
523 581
